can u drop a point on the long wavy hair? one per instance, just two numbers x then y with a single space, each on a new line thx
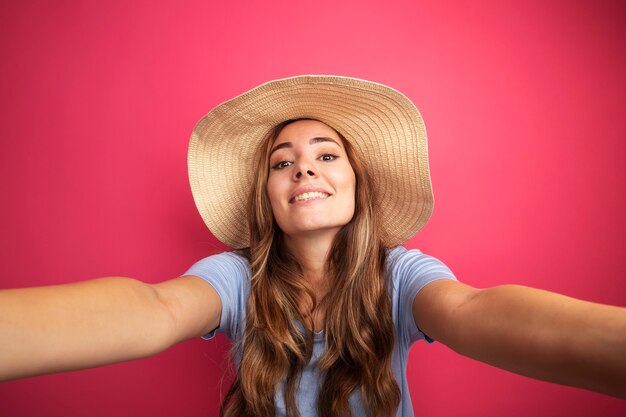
358 328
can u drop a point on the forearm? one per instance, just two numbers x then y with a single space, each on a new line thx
546 336
87 324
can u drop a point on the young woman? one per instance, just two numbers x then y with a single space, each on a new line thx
321 301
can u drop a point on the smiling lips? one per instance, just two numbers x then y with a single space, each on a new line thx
310 196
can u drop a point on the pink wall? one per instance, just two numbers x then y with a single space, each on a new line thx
525 108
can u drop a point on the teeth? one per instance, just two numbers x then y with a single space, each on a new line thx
308 196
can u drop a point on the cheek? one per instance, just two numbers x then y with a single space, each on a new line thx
273 193
347 180
351 185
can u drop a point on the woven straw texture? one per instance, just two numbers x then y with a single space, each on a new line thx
384 127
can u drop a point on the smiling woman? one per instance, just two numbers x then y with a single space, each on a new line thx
319 297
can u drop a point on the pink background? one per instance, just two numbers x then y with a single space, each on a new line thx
525 107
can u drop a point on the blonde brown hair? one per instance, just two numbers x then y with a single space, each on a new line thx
359 333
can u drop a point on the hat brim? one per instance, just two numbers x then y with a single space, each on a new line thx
382 125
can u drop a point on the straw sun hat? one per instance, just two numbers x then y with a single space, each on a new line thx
383 126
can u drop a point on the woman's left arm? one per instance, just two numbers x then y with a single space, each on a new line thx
532 332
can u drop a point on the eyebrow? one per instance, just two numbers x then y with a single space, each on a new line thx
312 141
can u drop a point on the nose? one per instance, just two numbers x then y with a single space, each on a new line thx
304 169
308 172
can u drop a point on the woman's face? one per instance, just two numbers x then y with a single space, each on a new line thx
311 184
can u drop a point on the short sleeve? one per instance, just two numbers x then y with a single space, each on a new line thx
229 274
411 270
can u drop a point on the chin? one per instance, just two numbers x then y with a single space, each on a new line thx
314 228
317 224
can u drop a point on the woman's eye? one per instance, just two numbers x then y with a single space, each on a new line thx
281 165
328 157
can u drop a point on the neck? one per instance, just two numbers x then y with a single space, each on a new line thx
312 250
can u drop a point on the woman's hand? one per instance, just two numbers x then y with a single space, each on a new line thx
531 332
99 322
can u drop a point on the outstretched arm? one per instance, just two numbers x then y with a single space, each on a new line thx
99 322
532 332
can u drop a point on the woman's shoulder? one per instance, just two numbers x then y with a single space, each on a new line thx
225 263
229 274
400 254
403 262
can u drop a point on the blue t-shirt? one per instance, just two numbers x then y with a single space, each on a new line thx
410 271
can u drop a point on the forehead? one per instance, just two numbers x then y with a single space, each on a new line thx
304 130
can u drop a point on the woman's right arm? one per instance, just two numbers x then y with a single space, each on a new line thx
99 322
